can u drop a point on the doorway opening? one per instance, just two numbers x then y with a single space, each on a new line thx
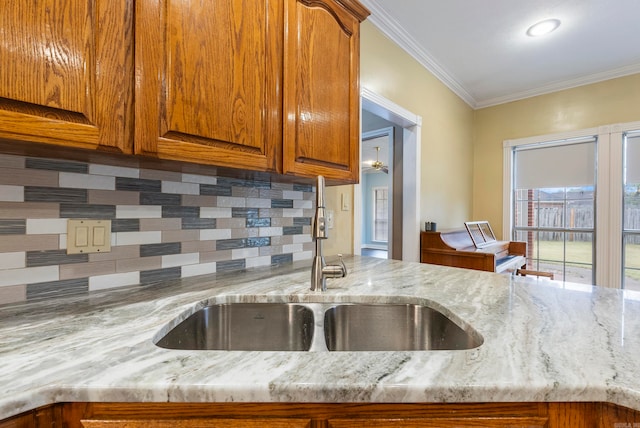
384 122
378 176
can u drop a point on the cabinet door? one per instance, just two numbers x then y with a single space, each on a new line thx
470 422
208 81
322 99
67 72
200 423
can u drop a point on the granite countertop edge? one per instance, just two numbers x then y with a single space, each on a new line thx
544 341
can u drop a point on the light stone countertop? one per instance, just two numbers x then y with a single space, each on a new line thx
543 341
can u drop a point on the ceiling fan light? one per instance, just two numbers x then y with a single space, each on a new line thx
543 27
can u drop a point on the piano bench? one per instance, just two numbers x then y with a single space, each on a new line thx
525 272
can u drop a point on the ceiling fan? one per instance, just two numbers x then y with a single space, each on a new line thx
377 164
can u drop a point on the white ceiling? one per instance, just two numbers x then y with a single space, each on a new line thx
479 48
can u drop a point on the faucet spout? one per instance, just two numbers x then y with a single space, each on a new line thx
320 230
320 271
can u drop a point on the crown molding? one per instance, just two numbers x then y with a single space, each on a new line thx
390 28
562 85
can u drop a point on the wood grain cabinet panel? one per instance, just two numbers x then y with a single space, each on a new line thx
67 73
269 85
260 85
321 69
208 81
471 422
199 423
336 415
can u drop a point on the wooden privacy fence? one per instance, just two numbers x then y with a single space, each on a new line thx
580 217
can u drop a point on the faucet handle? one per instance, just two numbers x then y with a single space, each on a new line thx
344 268
335 271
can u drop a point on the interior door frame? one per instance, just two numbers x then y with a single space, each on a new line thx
412 131
371 135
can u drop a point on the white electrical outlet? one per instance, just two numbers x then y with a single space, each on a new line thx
329 214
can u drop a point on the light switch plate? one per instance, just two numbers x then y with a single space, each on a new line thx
88 236
329 214
345 202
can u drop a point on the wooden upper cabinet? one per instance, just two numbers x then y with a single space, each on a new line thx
66 75
322 99
263 85
267 85
209 81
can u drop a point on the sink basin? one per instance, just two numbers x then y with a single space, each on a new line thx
244 327
339 327
393 327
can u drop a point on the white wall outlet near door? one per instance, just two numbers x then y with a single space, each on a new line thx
88 236
329 214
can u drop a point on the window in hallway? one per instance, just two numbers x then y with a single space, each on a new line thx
381 214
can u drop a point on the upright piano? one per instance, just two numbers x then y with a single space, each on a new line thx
455 248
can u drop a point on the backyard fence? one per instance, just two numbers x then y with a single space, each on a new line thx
581 217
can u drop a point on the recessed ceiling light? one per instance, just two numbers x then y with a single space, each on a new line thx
543 27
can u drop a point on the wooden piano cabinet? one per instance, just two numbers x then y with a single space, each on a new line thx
455 248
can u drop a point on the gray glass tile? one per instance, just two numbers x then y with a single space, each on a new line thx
231 244
56 165
67 287
224 181
54 257
125 225
180 212
245 212
260 184
303 187
282 186
292 230
302 221
281 259
259 222
54 194
230 265
258 242
245 192
148 250
198 223
215 190
95 211
138 184
271 194
271 212
281 203
157 275
152 198
13 227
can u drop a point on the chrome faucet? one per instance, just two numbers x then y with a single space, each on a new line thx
320 271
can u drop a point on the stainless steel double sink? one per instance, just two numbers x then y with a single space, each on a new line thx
319 327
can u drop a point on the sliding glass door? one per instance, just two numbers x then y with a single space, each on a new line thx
554 205
575 199
631 212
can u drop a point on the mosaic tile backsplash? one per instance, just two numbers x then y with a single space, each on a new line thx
165 225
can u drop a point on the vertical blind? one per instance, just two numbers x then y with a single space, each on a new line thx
632 159
558 164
